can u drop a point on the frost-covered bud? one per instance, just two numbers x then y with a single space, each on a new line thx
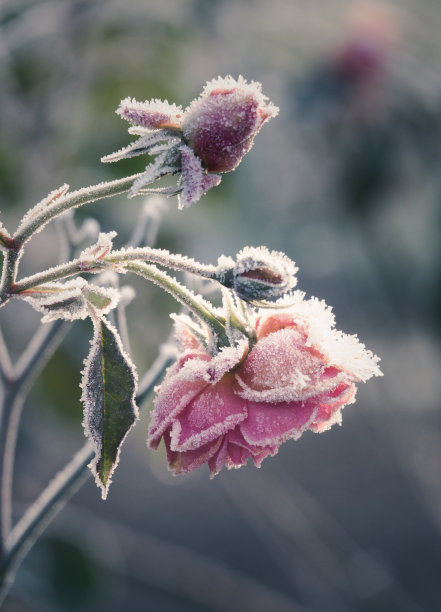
258 274
211 135
221 124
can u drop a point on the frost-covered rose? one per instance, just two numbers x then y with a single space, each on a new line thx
211 135
244 402
220 126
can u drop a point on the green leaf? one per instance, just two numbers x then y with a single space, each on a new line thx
109 391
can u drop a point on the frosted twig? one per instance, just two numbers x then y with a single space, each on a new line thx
115 260
5 361
196 304
39 515
39 350
167 355
33 224
33 359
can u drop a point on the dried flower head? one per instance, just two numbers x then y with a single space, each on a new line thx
211 135
244 402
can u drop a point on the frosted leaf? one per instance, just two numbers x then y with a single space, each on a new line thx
142 146
195 181
72 300
152 172
101 248
109 383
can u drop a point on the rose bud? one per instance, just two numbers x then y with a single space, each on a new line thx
258 274
221 124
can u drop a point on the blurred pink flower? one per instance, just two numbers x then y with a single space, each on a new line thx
244 402
211 135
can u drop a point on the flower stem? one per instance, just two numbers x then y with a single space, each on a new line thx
69 201
60 490
39 350
114 261
196 304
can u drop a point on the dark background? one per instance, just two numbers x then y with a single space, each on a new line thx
346 181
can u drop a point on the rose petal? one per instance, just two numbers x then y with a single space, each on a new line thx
174 395
217 462
207 416
269 424
237 456
185 462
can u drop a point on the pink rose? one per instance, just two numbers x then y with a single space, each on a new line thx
245 402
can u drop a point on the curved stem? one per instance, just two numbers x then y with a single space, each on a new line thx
9 273
40 514
72 200
112 261
40 349
60 490
196 304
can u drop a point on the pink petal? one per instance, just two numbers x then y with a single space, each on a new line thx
185 462
333 401
237 456
258 453
270 424
175 393
216 463
263 454
208 415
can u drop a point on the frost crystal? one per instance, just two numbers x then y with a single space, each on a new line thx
245 402
211 135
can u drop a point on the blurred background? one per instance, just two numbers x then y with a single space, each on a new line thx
346 180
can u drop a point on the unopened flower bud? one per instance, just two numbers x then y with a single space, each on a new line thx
221 124
258 275
211 135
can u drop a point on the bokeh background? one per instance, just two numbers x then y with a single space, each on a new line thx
347 182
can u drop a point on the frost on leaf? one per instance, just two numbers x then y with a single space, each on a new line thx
72 300
109 389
